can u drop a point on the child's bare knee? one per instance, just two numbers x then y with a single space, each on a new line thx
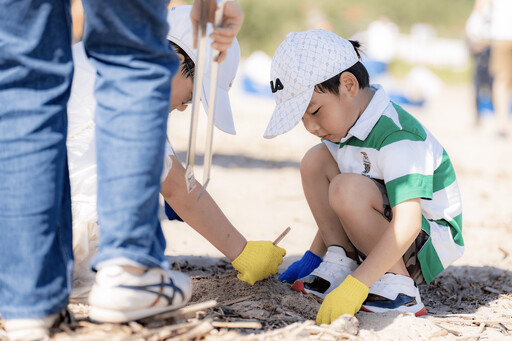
310 160
316 160
342 192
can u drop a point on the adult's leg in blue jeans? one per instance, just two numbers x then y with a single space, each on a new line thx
127 43
36 259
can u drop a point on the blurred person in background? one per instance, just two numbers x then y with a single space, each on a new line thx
382 42
478 40
501 62
126 42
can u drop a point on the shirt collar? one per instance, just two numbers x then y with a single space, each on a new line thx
365 123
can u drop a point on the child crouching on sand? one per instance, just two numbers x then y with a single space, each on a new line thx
381 188
254 260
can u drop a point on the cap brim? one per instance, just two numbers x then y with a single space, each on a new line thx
223 115
287 114
180 33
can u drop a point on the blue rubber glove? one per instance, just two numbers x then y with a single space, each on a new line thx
301 268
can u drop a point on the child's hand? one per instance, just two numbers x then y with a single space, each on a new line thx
301 268
223 36
258 260
345 299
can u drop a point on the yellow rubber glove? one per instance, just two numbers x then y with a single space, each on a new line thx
258 260
345 299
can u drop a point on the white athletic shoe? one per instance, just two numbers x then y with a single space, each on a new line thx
394 292
119 296
30 329
333 270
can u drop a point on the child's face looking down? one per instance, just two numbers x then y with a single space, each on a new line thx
181 88
330 116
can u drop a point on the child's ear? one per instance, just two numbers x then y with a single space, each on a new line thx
349 84
181 57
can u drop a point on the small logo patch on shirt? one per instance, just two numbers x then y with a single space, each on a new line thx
366 164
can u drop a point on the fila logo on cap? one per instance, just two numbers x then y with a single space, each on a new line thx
278 86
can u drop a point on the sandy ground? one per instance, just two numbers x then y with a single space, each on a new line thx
257 183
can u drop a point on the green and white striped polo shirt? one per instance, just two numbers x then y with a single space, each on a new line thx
389 144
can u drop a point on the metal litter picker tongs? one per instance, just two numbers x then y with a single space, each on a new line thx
196 97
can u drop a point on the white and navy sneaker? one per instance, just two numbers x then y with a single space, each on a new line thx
333 270
394 292
120 296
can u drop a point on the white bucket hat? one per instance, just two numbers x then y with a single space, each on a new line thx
303 60
180 33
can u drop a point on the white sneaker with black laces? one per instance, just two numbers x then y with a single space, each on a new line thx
120 296
394 292
333 270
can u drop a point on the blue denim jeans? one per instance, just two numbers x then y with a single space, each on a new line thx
126 41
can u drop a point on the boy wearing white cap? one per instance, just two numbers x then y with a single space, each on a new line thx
381 188
255 260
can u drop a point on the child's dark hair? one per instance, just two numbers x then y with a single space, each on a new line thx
358 70
187 62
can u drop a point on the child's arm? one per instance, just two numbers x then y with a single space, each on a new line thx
404 228
202 215
349 295
254 260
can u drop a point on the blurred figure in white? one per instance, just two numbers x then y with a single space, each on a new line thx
382 40
478 40
501 62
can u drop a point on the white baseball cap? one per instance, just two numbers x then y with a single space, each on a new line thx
180 33
303 60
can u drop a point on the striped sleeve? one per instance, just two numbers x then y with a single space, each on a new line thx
409 167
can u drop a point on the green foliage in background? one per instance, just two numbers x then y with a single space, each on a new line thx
268 21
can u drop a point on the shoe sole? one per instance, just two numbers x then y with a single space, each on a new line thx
115 316
418 313
299 286
29 334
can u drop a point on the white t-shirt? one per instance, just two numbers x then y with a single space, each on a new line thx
501 23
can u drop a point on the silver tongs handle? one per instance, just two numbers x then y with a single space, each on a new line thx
219 12
196 96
